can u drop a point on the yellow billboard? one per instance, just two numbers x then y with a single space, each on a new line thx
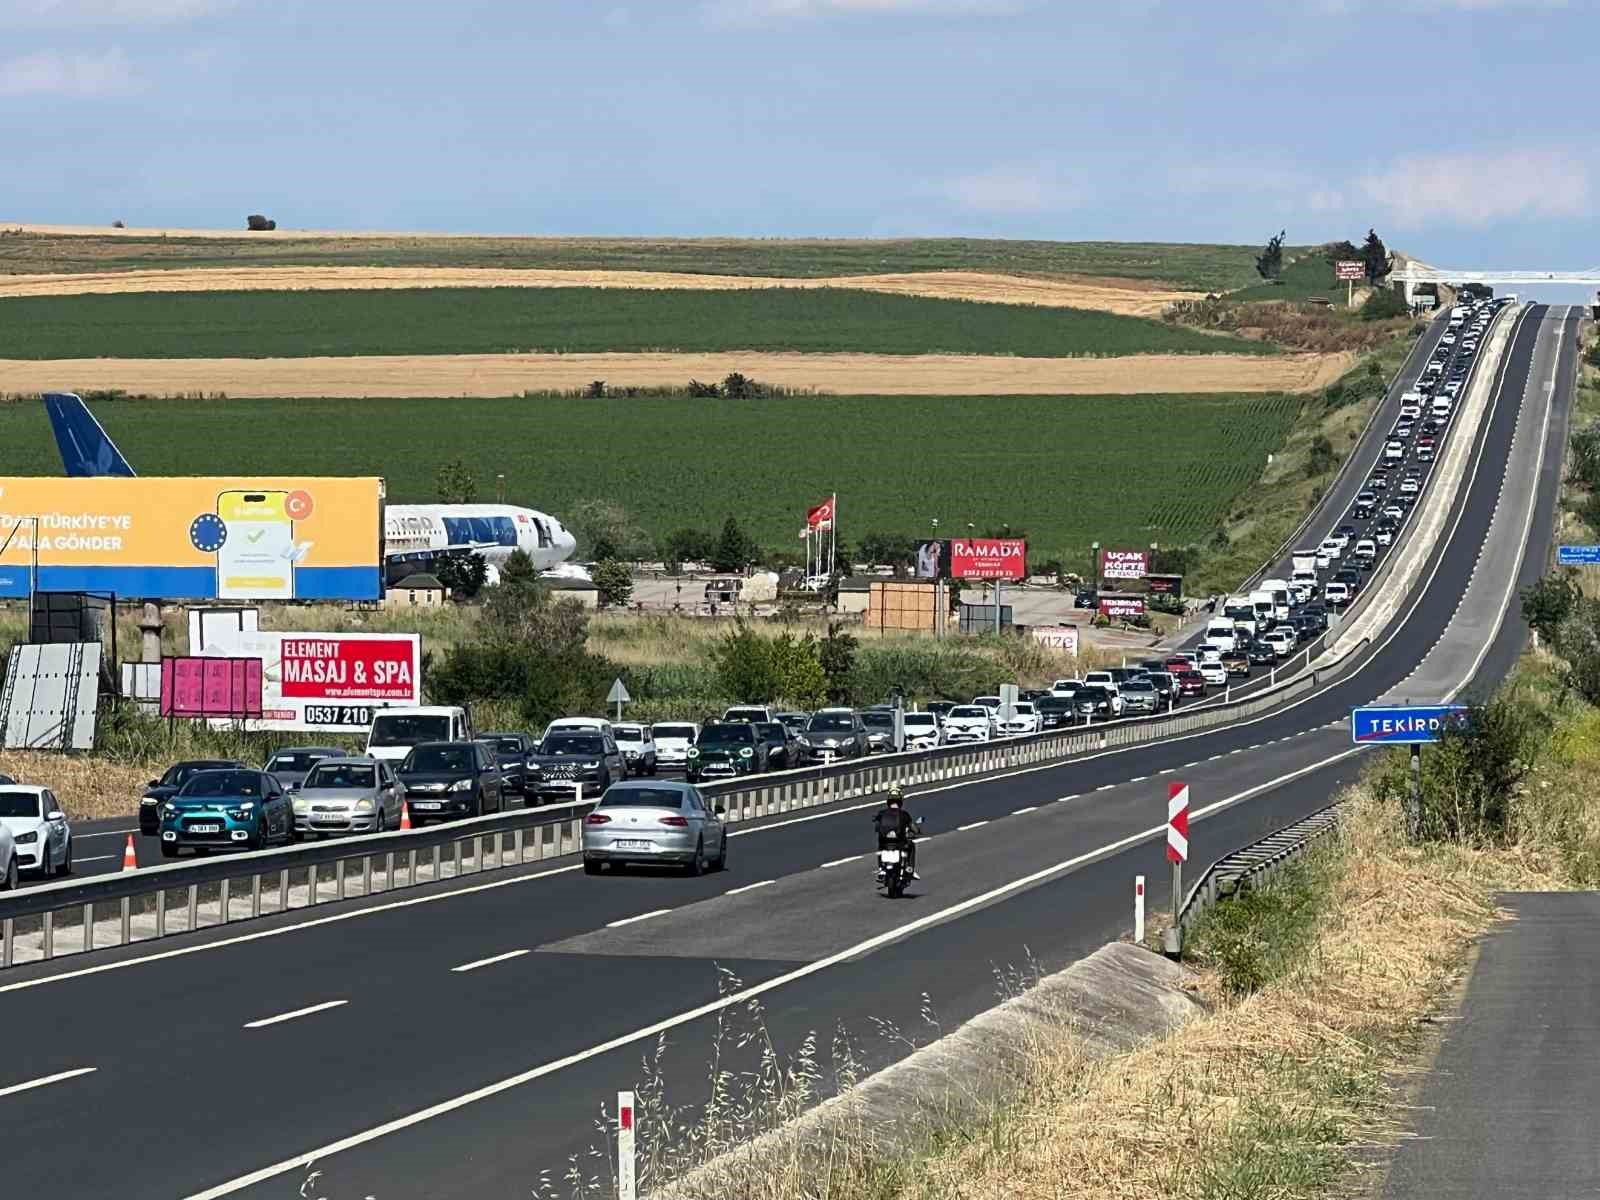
202 538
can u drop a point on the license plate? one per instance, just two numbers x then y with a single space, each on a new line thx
205 829
430 805
888 856
626 845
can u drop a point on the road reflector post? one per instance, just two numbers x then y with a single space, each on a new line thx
626 1184
1138 910
1177 854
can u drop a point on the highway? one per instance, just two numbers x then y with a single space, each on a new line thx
356 1037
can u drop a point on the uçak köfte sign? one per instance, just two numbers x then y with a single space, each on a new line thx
1124 564
988 558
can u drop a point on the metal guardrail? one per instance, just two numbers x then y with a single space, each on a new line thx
77 915
1261 859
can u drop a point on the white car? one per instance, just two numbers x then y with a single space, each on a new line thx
1410 411
578 725
1214 673
1210 652
967 723
38 830
1340 539
1337 593
922 730
673 739
1410 487
751 714
1024 720
1394 450
8 860
1330 549
1065 687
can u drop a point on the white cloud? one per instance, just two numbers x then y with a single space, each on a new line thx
1293 189
68 14
1012 190
1477 189
52 74
761 11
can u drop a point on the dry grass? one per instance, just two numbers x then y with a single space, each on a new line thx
445 375
89 786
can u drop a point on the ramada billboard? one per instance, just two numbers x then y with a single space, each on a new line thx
1124 564
988 558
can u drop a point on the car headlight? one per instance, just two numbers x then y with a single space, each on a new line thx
150 800
692 752
746 752
242 814
170 810
300 805
26 839
363 806
803 740
461 785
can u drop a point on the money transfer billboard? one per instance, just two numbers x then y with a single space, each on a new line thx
222 538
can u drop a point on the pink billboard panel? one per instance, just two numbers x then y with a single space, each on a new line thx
211 687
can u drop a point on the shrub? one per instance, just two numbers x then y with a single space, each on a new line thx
1585 446
1320 458
614 581
1548 602
1260 935
1382 304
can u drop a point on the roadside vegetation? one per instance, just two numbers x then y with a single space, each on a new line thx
571 320
1199 267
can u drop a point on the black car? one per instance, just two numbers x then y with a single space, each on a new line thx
1347 531
1086 598
1055 712
165 788
569 758
451 779
1306 627
940 708
1350 577
1261 654
794 722
783 749
1317 612
512 751
1093 701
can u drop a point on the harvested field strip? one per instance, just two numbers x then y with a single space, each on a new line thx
32 248
513 374
1129 297
569 320
1066 469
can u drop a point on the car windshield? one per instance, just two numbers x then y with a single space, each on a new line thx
408 729
181 773
772 729
572 743
1138 685
440 758
878 720
341 775
752 715
684 732
718 736
642 797
921 721
223 783
20 804
970 710
1024 707
624 734
506 745
1092 692
296 760
1055 704
835 723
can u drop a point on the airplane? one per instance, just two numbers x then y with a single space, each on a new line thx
413 534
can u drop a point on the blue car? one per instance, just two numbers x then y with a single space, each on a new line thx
227 810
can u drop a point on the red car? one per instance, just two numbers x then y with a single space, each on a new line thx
1179 665
1191 683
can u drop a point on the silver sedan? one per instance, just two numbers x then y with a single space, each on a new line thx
347 795
651 821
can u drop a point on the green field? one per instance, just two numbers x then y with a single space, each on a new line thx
1068 470
569 320
1307 277
1197 266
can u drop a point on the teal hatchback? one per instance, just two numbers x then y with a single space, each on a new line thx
227 810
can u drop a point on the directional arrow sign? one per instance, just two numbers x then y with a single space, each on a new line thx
618 694
1406 724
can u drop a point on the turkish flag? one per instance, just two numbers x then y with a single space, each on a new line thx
821 517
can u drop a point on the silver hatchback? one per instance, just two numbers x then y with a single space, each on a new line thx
654 821
347 795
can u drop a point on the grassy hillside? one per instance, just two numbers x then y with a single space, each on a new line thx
1308 277
570 320
1197 266
1068 470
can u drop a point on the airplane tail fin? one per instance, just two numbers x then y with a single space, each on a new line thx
86 448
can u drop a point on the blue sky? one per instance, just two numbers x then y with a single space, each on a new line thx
1463 129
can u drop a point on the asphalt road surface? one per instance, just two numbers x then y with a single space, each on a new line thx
219 1064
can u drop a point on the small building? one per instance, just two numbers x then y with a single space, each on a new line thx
581 590
416 591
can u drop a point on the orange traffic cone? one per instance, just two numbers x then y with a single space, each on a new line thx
405 817
130 860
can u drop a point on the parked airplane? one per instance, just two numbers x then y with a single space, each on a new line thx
413 534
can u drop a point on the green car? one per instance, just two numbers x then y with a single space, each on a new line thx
726 750
226 810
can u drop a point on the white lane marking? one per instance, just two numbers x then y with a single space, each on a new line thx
742 996
655 912
839 862
964 828
749 887
1138 779
488 962
96 858
299 1012
45 1081
1105 787
1019 811
104 833
1064 799
1168 771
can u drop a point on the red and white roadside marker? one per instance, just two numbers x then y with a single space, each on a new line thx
626 1187
1177 822
1138 910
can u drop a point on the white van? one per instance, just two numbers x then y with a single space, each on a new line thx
1220 633
1304 584
396 730
1278 590
1304 560
1239 610
578 725
1441 406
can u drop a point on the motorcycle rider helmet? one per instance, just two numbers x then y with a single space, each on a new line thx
897 795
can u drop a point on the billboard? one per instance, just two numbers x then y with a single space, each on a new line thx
211 687
1165 585
1347 269
1063 639
332 682
931 560
988 558
201 538
1116 607
1124 564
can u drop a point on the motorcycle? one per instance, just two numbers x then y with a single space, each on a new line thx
892 871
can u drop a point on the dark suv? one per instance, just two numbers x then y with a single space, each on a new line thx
726 749
512 751
783 750
451 779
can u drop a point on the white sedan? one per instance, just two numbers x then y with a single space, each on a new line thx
967 723
38 829
1330 549
1024 720
1214 673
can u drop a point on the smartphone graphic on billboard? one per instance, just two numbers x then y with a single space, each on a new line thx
257 555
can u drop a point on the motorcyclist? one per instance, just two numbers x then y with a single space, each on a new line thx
895 825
